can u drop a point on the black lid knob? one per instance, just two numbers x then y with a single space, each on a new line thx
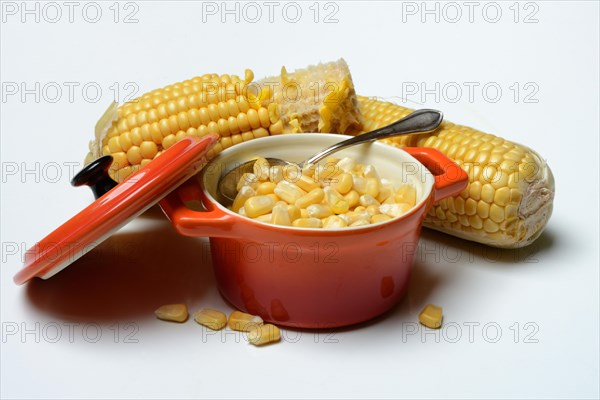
95 175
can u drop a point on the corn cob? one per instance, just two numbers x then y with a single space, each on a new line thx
511 189
319 98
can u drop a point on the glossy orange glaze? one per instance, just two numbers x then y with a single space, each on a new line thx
312 278
125 201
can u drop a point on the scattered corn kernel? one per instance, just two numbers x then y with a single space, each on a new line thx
212 319
431 316
172 312
239 321
264 334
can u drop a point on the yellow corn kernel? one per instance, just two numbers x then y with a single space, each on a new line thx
308 169
247 179
367 200
274 197
276 173
345 218
261 169
308 223
303 213
333 222
406 194
266 218
319 211
372 209
326 172
369 171
394 210
239 321
343 183
431 316
340 207
265 188
280 215
172 312
242 196
315 196
360 222
288 192
259 205
385 192
291 173
354 216
352 198
294 212
346 164
264 334
379 218
212 319
359 184
372 187
306 183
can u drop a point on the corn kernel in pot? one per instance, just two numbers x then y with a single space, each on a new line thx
337 194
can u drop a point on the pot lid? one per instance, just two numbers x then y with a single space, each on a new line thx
117 207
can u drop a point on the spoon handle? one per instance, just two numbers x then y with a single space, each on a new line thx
419 121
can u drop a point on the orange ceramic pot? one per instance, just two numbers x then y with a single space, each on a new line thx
314 278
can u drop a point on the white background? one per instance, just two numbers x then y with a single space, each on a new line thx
553 285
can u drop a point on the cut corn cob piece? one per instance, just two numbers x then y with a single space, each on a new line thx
319 98
323 100
511 188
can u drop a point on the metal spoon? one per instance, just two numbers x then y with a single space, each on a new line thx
420 121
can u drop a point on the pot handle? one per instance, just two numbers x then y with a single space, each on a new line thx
210 223
450 179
